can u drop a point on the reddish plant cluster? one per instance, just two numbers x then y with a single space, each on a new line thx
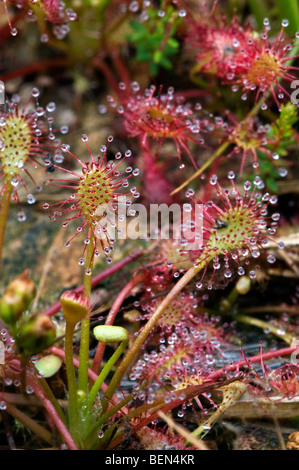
157 116
238 56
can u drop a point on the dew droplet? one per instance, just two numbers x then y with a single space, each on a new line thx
35 92
228 273
21 216
213 180
30 199
14 181
275 217
51 107
271 259
273 199
44 38
283 172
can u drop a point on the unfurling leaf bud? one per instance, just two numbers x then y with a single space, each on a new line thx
16 299
37 334
243 285
110 334
74 306
48 365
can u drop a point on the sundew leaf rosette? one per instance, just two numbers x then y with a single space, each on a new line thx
236 228
156 116
240 57
97 194
54 12
27 138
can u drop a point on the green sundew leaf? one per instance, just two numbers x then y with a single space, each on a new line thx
260 10
166 63
154 42
289 9
268 172
271 184
143 56
135 38
137 26
173 43
288 116
169 52
282 134
157 57
154 39
154 69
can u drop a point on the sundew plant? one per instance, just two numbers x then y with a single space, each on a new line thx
149 260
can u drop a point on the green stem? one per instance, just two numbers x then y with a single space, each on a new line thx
231 393
102 7
85 324
4 210
287 337
71 378
93 435
133 351
289 9
105 371
111 317
259 10
206 165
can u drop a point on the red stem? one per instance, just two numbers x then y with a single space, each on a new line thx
210 383
5 31
111 317
121 69
53 413
111 79
98 278
258 358
36 67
